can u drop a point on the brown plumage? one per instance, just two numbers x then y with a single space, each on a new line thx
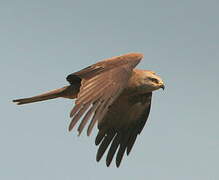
114 94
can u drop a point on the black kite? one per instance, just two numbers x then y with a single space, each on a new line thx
114 94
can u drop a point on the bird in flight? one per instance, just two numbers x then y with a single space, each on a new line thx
113 94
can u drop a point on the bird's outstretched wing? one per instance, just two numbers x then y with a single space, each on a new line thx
121 125
101 84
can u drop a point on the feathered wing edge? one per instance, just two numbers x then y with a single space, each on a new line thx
121 140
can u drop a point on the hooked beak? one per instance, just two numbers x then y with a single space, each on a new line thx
162 86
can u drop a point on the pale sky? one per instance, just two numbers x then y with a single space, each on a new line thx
45 40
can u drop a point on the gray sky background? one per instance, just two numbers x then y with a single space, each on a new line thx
45 40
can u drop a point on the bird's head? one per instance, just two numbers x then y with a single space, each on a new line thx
148 81
152 81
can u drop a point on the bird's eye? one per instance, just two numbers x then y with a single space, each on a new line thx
154 80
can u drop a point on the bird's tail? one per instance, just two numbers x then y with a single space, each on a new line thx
45 96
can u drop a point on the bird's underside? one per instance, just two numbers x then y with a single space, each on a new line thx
111 93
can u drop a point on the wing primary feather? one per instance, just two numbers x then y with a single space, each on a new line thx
74 110
131 143
104 144
101 134
94 119
105 105
113 149
86 118
108 100
121 151
99 114
78 116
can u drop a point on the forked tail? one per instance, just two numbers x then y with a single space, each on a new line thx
45 96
